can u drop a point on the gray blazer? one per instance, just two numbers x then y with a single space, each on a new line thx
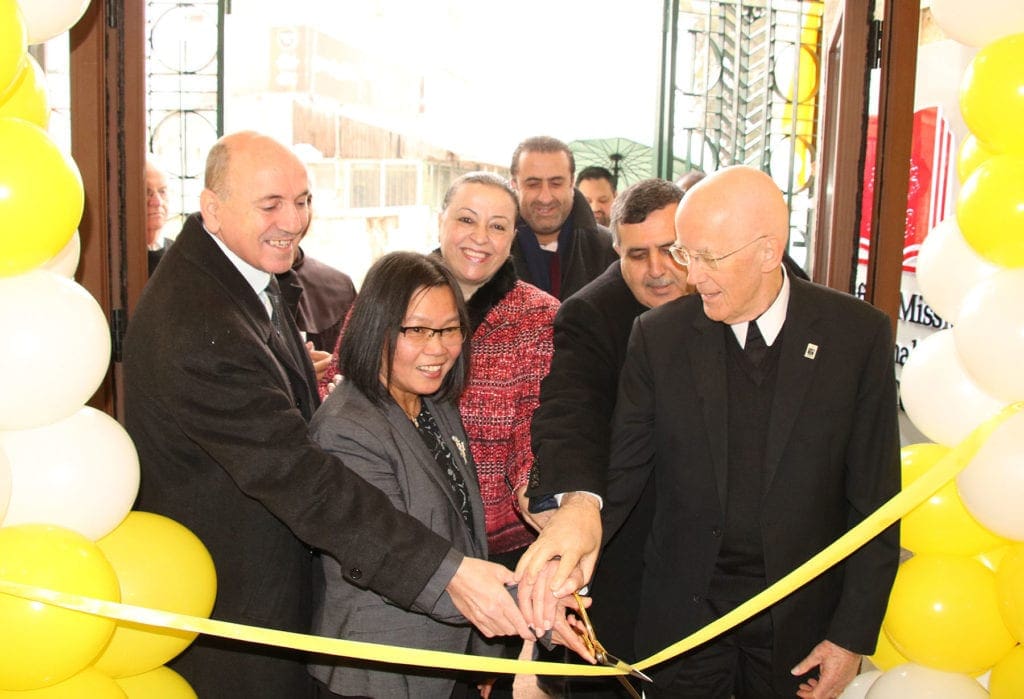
383 446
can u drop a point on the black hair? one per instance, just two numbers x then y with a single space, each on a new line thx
596 172
368 346
541 144
640 200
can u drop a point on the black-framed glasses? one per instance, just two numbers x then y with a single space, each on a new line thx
685 257
420 335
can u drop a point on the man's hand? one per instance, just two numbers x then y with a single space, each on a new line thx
479 591
836 668
572 538
320 360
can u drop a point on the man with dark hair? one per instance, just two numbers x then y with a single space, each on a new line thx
559 247
598 185
571 428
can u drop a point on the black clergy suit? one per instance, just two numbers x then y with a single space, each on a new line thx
831 458
217 404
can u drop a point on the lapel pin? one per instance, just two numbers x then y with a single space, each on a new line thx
812 349
460 446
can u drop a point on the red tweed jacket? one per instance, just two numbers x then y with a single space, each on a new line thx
511 354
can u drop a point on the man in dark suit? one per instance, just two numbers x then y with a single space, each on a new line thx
218 393
571 427
764 407
559 246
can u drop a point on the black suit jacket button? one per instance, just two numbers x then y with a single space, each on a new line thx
696 599
716 532
355 574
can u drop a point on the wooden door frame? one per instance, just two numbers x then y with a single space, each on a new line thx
851 47
108 137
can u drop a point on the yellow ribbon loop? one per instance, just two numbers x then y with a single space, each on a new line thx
909 498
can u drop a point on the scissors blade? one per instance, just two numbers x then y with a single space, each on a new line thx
611 661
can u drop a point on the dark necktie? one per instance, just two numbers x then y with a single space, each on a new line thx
274 294
277 319
755 347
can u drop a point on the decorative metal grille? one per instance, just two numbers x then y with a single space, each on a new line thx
746 93
183 58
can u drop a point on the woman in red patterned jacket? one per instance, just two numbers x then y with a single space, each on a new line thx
510 353
510 350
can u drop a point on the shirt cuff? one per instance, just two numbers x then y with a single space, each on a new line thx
600 500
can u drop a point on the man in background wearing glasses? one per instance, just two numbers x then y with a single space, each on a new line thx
764 407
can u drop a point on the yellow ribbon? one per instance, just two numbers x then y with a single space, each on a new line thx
907 499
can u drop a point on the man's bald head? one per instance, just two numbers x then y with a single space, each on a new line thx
740 203
256 199
735 219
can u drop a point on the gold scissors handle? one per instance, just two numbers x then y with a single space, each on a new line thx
601 655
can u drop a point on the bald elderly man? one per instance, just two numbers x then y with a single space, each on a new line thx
765 407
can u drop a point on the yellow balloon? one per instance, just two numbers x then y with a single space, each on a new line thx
941 524
992 559
1010 588
990 210
161 683
42 644
944 614
13 43
162 565
1007 678
41 197
89 683
27 98
886 657
972 153
916 459
992 94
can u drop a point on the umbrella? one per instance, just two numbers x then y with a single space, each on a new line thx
628 161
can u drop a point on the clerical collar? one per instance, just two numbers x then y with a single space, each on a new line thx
770 322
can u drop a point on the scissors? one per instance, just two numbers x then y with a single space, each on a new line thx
604 657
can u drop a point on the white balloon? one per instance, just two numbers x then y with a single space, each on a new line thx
948 268
858 689
938 394
5 485
65 262
55 349
81 473
910 680
45 19
978 22
992 484
990 335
